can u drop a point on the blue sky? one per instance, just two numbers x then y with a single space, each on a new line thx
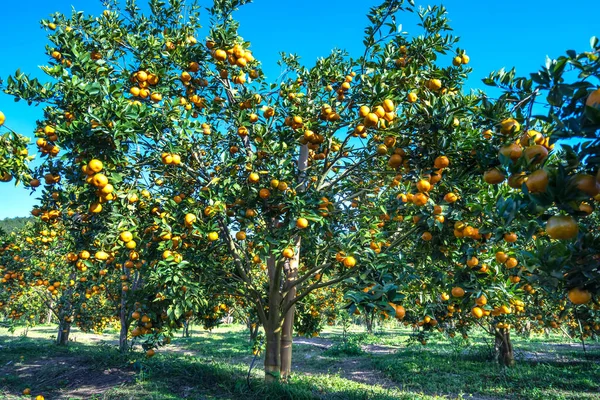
494 34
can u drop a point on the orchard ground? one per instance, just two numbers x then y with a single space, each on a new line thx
214 365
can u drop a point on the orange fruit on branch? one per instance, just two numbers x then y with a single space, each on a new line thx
562 227
579 296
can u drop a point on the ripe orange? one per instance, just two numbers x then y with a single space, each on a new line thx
426 236
388 105
481 301
400 312
516 180
2 118
212 236
450 197
441 162
536 154
241 235
434 84
587 184
509 125
458 291
493 176
220 55
264 193
562 227
301 223
288 253
395 161
189 219
501 257
511 262
150 353
537 182
423 186
100 180
512 151
363 111
349 262
95 207
477 312
472 262
126 236
593 99
510 237
371 120
412 97
579 296
253 177
420 199
26 392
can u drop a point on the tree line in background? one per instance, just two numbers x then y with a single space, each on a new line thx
179 183
9 225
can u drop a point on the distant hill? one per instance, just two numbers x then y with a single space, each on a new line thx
12 224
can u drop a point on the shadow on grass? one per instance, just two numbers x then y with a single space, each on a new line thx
75 371
472 372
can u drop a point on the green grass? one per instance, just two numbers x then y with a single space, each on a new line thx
214 365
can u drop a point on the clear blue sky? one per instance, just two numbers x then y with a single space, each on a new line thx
495 35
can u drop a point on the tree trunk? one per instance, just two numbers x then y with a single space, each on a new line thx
273 325
123 344
291 276
369 321
64 329
49 315
186 328
288 321
273 355
503 347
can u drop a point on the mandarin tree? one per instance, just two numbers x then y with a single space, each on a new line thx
266 191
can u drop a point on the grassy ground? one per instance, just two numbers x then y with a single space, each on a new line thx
215 365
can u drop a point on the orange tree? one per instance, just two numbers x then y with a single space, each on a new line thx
523 247
40 278
231 184
550 199
14 160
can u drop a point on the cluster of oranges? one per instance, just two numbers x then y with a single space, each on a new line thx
105 191
143 82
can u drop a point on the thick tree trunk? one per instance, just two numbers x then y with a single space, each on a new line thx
291 276
273 325
64 329
288 322
273 355
503 347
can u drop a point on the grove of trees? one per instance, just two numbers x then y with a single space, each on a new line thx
178 181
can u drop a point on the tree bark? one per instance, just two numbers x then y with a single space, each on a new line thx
64 329
123 344
291 277
369 321
288 321
273 325
49 315
504 348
